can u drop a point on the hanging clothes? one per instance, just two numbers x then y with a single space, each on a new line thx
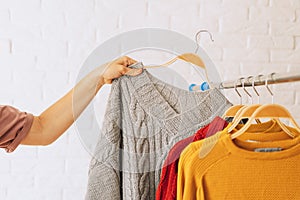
167 187
144 118
243 168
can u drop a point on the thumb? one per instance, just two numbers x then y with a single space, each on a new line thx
132 71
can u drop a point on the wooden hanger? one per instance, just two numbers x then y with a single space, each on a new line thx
244 111
237 117
232 111
273 111
187 57
256 111
239 110
192 58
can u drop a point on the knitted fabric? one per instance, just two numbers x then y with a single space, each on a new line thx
144 118
240 169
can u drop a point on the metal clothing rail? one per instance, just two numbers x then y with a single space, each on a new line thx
251 81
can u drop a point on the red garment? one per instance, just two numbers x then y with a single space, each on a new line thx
167 187
14 126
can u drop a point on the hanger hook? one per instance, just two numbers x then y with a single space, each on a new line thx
259 79
268 88
246 91
197 38
236 90
253 87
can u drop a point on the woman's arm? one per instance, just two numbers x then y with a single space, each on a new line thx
56 119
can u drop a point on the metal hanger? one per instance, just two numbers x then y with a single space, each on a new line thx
197 38
233 110
256 92
253 86
246 91
247 110
243 109
281 124
268 88
236 119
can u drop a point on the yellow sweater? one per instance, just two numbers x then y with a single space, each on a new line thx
220 168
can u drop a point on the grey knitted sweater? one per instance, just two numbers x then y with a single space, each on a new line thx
144 118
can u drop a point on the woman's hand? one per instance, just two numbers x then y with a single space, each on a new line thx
119 67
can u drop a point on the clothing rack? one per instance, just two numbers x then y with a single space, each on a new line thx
251 81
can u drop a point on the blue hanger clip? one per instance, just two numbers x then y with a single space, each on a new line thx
204 86
191 87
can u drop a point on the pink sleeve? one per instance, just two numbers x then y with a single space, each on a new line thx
14 126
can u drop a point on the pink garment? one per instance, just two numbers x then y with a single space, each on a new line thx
14 126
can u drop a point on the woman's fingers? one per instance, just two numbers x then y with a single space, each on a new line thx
118 68
126 61
132 71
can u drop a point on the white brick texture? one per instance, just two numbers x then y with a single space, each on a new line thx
284 56
247 3
297 42
298 97
5 46
289 3
298 15
5 166
43 43
246 55
211 10
284 28
276 42
283 14
4 16
236 25
2 193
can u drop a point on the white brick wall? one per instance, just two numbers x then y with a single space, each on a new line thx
5 46
4 16
267 42
43 42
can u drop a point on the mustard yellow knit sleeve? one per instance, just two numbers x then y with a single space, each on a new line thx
191 167
186 180
180 180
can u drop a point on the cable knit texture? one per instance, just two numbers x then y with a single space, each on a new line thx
144 118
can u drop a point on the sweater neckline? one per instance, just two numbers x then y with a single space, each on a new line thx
207 104
234 149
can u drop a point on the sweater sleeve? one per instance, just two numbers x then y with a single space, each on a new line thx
186 182
14 126
104 175
180 180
